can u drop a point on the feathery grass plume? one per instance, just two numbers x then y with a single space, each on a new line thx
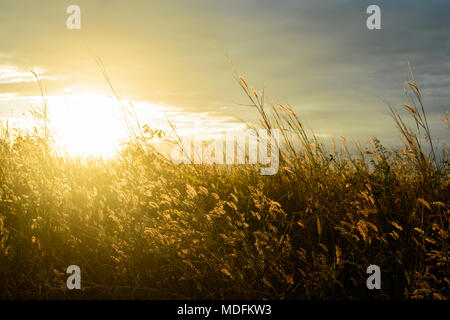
141 227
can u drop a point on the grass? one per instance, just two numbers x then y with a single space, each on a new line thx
141 227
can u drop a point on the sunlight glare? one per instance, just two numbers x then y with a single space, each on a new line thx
87 124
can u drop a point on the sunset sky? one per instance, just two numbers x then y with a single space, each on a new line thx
170 58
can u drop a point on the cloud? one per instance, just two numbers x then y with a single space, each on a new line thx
12 74
316 55
8 96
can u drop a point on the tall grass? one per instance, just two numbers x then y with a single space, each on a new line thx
141 227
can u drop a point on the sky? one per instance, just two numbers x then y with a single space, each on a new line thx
170 59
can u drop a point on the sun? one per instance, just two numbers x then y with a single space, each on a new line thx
87 124
93 125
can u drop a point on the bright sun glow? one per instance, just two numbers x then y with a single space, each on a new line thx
87 124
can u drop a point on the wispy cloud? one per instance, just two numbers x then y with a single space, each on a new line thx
12 74
8 96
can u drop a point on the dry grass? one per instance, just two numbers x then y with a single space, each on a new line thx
142 227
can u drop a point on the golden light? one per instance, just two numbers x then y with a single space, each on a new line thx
90 124
87 124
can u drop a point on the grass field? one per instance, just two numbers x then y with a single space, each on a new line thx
141 227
